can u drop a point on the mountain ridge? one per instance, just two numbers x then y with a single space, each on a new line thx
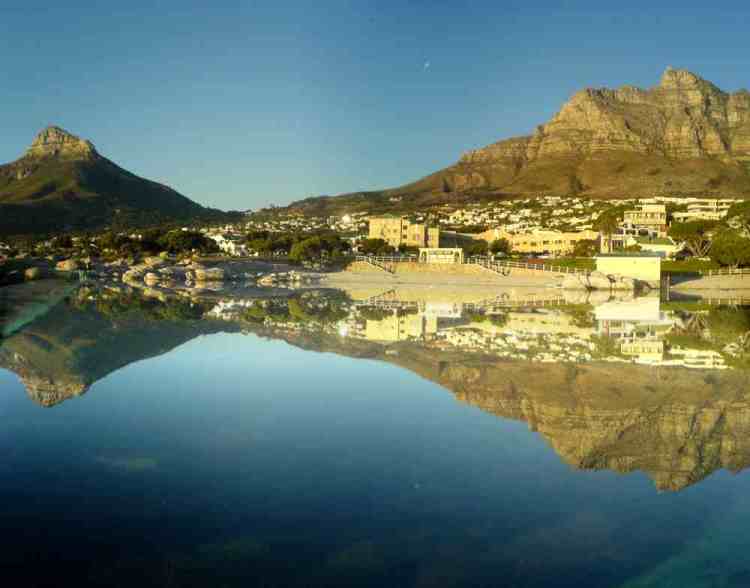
684 136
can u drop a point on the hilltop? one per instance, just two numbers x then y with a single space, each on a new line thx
61 182
682 137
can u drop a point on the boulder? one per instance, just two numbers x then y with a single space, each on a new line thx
32 273
68 265
622 283
599 281
212 274
153 261
575 282
151 278
132 276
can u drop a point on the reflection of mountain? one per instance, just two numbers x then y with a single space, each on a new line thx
61 354
676 425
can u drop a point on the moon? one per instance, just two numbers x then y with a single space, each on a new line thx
426 66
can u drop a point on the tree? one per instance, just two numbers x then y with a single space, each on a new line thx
694 234
305 249
375 247
607 223
180 241
475 248
730 248
585 248
500 246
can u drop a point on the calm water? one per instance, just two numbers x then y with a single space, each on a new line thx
218 442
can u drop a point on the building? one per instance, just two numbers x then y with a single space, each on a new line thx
400 326
711 209
399 230
441 255
540 241
647 216
644 266
230 244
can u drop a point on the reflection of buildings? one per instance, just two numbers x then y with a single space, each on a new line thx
632 330
401 327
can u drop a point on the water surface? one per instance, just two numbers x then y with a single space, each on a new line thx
314 439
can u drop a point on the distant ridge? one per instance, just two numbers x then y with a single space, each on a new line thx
684 136
62 182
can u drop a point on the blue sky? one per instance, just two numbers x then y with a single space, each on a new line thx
243 104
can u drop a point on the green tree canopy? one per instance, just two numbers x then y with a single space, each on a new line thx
695 235
729 248
585 248
500 246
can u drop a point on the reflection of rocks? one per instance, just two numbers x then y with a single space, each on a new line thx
49 392
598 281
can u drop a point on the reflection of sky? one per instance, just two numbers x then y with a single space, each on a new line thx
237 433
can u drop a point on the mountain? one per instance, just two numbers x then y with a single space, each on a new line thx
62 182
684 136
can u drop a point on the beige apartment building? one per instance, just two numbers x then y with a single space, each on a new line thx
705 209
547 242
398 230
401 327
649 216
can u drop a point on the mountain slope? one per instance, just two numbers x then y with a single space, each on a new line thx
684 136
63 182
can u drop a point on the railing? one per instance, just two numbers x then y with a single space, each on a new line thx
386 258
499 265
726 271
385 262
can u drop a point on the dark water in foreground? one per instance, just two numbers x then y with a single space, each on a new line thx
201 457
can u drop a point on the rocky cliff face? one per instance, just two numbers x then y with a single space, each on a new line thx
683 117
56 142
682 137
684 126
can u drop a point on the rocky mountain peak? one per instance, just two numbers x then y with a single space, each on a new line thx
682 79
56 142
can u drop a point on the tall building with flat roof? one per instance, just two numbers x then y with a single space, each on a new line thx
648 216
399 230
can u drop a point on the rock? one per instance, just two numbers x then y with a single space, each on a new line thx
575 282
132 276
213 274
623 283
32 273
151 278
69 265
599 281
153 261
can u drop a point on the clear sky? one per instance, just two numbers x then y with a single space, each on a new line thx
243 104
